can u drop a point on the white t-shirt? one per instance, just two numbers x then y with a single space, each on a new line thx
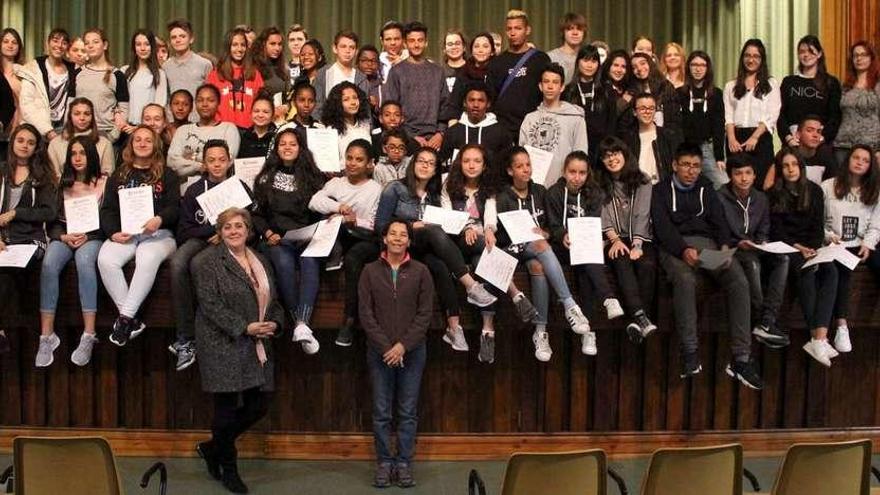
647 160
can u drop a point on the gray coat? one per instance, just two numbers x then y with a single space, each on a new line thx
227 304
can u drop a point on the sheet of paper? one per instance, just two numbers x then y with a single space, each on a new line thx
247 169
17 255
228 194
814 173
324 145
520 226
844 256
301 234
823 255
81 214
496 267
585 234
135 208
777 247
452 221
324 238
713 259
541 161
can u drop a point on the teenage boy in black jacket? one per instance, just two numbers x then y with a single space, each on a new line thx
747 211
476 125
688 218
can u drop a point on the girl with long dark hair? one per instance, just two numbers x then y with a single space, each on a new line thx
702 115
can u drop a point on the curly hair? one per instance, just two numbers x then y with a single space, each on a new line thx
266 65
487 182
308 177
333 115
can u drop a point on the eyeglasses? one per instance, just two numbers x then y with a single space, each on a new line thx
752 56
699 65
861 55
395 147
689 166
423 161
611 154
643 108
453 43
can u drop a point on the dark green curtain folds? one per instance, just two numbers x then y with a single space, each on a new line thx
716 26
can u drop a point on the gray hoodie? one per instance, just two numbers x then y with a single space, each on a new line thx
560 130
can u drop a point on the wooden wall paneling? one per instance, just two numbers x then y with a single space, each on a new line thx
772 370
701 400
83 379
632 371
11 382
676 387
817 389
104 359
58 390
156 375
557 397
608 379
33 379
654 413
527 388
454 369
725 388
582 375
131 381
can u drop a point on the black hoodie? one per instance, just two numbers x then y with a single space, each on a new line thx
677 213
509 200
562 204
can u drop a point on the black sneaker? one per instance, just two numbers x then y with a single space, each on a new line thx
645 324
206 452
4 344
334 260
487 348
186 354
137 328
746 372
690 365
121 332
634 332
231 480
345 336
403 475
771 336
525 309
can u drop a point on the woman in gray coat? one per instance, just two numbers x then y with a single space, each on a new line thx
238 313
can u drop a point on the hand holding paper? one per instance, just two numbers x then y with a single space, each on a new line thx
497 268
585 234
452 221
228 194
520 226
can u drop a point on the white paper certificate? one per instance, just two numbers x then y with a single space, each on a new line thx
585 235
17 255
496 267
777 247
301 234
324 145
324 238
135 208
520 226
541 161
247 169
81 214
452 221
228 194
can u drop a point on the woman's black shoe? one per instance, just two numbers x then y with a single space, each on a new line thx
207 453
231 480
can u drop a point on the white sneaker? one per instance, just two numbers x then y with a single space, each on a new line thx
455 338
303 334
612 308
83 353
841 340
543 352
579 323
816 349
829 349
46 352
588 344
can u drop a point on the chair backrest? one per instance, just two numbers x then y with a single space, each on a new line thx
564 473
695 471
819 468
66 466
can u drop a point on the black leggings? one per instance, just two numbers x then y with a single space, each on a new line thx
358 252
762 155
434 248
636 280
13 280
235 413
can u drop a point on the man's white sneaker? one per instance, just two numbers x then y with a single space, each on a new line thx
303 334
588 344
816 349
612 308
841 340
576 319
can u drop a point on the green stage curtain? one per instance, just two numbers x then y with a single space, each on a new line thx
717 26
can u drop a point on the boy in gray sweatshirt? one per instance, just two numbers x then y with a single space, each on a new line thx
556 126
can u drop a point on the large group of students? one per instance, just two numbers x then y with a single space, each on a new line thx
644 139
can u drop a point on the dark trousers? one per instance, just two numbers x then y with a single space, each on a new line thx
472 253
816 290
182 289
398 385
841 301
592 282
234 414
433 247
766 273
636 280
762 155
358 252
11 279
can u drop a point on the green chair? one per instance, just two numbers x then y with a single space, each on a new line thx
68 466
695 471
564 473
839 468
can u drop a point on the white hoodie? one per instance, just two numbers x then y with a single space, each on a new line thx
852 221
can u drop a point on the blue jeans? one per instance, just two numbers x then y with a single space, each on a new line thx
404 382
710 167
299 298
57 256
552 273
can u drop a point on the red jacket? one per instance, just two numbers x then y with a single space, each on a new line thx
395 312
235 106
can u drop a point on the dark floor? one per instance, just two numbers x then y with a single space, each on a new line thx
188 476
